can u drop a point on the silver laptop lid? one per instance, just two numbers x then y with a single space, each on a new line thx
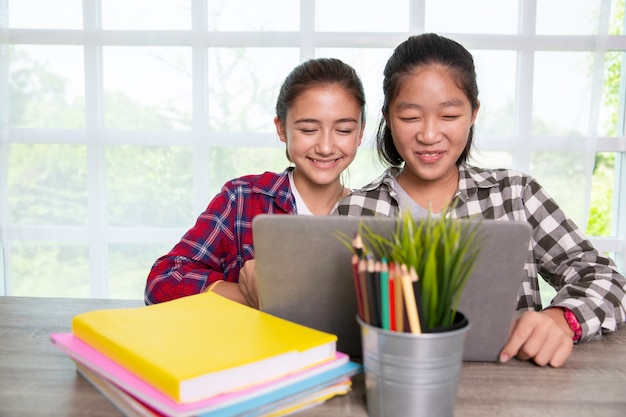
304 275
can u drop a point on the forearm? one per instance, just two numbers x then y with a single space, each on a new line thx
174 277
597 297
229 290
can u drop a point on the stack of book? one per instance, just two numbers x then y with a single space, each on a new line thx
205 355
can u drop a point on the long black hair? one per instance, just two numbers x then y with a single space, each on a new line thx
419 51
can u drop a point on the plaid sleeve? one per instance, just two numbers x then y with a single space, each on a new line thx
366 203
587 282
205 253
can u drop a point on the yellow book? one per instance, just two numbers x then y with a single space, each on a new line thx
199 346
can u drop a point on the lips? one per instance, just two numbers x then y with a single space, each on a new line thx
430 157
325 163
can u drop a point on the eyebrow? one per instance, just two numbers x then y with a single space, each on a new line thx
449 103
343 120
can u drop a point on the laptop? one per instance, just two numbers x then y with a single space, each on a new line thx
304 274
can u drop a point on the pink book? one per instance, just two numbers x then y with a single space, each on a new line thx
258 397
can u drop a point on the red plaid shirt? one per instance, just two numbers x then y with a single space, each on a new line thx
217 246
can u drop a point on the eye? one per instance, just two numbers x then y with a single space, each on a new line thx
450 116
308 131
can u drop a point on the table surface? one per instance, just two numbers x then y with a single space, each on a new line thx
36 379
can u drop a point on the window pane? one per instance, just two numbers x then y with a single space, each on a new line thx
244 84
47 86
617 18
562 93
128 266
496 72
47 269
567 17
369 64
246 15
147 87
47 185
149 186
491 159
612 95
361 16
602 186
477 16
146 14
366 166
57 14
231 162
562 174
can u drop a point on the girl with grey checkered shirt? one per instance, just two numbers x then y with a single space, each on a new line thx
425 136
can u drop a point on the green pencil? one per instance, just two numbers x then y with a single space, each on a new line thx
384 293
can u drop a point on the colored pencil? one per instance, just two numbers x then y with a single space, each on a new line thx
410 303
392 297
398 298
357 285
418 297
364 292
357 245
373 291
384 294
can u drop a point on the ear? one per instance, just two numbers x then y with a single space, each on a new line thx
475 114
280 129
362 130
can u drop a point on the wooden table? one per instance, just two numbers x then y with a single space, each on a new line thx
36 379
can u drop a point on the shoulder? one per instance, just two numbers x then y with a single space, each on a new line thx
270 183
375 198
502 178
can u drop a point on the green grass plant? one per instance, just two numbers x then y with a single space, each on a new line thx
443 251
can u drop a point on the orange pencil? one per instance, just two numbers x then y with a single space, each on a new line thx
398 301
409 300
418 297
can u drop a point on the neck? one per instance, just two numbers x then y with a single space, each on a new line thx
320 199
435 195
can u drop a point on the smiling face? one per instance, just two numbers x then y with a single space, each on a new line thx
430 120
323 130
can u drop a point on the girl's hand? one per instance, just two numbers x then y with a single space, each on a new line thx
247 283
544 337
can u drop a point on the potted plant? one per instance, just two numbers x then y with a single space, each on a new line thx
442 250
416 373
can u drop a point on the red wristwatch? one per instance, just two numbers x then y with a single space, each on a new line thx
573 323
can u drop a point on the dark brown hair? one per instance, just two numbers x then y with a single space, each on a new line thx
315 73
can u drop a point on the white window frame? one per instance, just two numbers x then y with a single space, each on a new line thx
98 235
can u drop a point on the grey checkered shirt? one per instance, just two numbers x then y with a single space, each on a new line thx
586 281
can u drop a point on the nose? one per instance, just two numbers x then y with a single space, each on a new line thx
325 143
429 131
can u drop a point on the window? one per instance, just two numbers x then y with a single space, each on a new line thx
120 120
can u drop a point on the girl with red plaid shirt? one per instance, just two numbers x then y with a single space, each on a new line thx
320 116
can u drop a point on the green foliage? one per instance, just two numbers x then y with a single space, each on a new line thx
443 251
38 97
599 223
47 184
149 186
46 269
